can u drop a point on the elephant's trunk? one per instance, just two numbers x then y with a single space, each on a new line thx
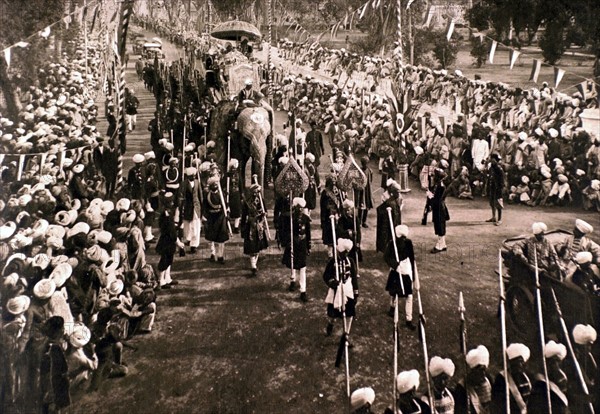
259 154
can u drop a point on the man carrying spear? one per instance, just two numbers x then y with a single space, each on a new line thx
556 380
442 371
402 268
254 226
295 236
519 384
214 211
474 393
407 384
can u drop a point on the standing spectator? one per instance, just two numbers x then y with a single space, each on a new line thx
439 210
496 188
131 106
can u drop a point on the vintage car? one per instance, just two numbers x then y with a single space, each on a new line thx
577 305
151 49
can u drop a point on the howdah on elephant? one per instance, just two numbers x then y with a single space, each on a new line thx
251 139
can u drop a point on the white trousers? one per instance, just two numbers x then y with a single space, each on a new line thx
441 243
408 306
191 231
131 121
301 278
165 276
253 261
217 249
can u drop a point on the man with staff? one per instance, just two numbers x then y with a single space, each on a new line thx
407 383
519 384
297 241
348 227
254 225
391 198
474 393
400 257
442 371
217 228
191 208
556 381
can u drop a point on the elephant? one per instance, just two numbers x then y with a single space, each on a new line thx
251 139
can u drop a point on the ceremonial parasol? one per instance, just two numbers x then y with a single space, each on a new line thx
235 29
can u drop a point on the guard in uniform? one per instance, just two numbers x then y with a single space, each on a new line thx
136 179
348 227
254 230
191 207
330 205
442 371
439 211
584 337
342 295
474 394
216 231
519 384
364 197
173 178
301 240
400 277
233 195
390 198
538 401
167 242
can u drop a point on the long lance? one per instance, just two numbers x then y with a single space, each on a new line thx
355 215
423 336
262 205
183 149
538 301
228 158
292 232
344 340
393 235
580 377
463 340
224 206
503 331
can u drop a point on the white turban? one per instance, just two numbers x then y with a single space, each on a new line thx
538 227
518 350
299 201
584 334
439 366
553 132
348 203
583 257
401 230
583 226
362 397
522 135
407 381
478 356
344 245
555 350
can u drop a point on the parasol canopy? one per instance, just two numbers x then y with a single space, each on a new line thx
235 29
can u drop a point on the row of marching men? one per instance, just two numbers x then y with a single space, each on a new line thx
479 392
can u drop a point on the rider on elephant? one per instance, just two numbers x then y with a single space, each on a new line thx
248 96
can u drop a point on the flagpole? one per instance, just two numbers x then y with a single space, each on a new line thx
400 55
538 301
503 331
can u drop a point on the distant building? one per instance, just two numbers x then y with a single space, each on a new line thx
440 11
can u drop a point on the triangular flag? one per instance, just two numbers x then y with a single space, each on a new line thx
22 44
450 29
582 88
558 75
1 159
45 33
493 51
409 4
362 13
7 56
67 20
514 55
535 70
510 32
20 167
428 17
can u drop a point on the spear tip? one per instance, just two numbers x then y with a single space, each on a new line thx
461 302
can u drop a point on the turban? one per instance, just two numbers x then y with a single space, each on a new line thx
438 366
583 257
407 381
478 356
344 245
518 350
538 227
555 350
362 397
584 334
401 230
299 201
583 226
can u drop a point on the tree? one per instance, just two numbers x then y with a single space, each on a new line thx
445 51
479 51
553 42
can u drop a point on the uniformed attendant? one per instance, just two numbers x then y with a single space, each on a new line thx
254 231
554 353
578 242
136 179
362 400
519 384
496 187
152 189
234 198
390 198
167 242
348 227
584 337
474 394
439 211
330 205
442 370
301 244
400 277
191 208
216 231
342 295
173 178
310 195
364 197
407 383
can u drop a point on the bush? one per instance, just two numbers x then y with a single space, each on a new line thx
479 51
553 42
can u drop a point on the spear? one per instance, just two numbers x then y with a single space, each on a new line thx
393 233
262 205
355 214
423 336
538 301
291 232
503 330
228 157
183 149
463 340
343 348
563 325
224 206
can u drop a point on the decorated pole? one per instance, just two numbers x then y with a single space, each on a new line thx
399 52
292 232
224 207
540 315
269 41
503 331
463 341
262 206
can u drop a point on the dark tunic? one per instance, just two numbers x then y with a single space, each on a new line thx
439 210
346 270
495 183
253 231
538 402
192 197
405 251
364 198
310 195
301 224
314 145
136 178
53 376
349 228
384 233
216 221
166 244
330 205
235 199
